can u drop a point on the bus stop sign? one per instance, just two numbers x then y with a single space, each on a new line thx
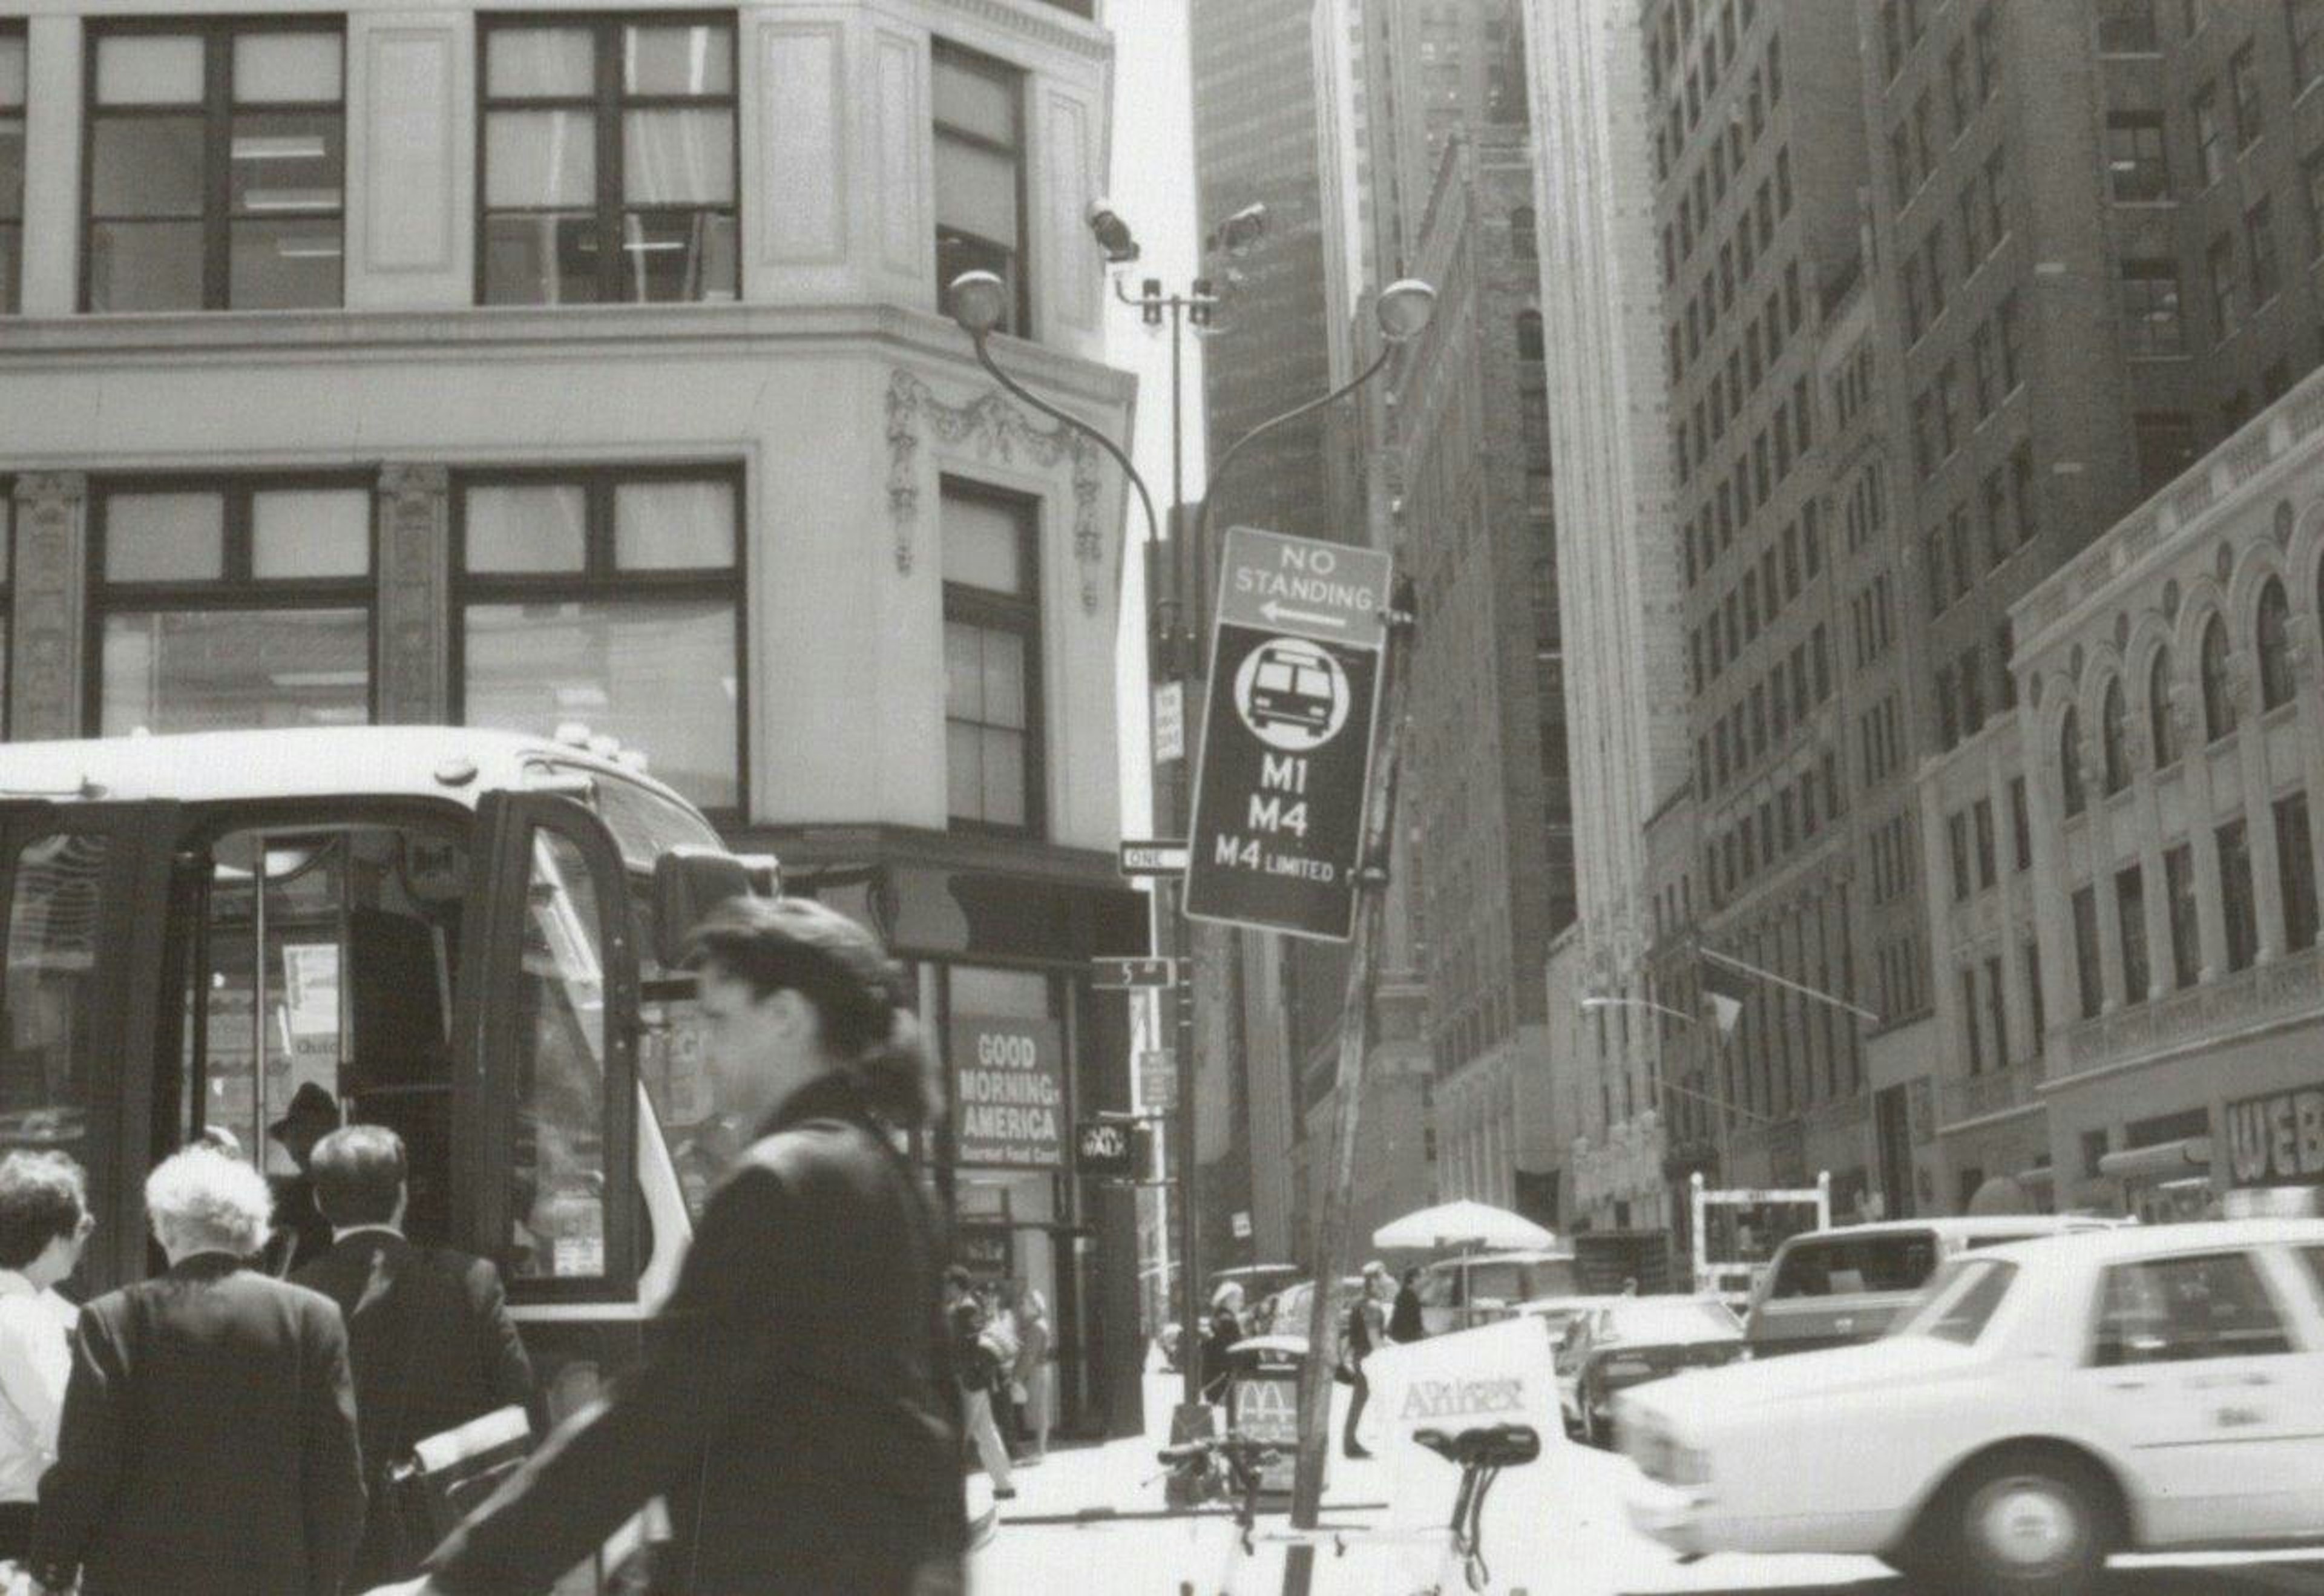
1288 734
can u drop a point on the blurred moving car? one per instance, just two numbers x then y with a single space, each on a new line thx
1286 1310
2049 1403
1479 1287
1556 1313
1626 1340
1847 1284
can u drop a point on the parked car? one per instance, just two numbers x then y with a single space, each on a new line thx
1836 1287
1627 1341
1556 1313
1477 1289
2047 1404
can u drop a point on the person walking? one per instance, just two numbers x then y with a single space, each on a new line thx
301 1234
45 1223
1226 1330
792 1406
1037 1368
999 1331
1365 1328
208 1445
429 1330
976 1370
1403 1322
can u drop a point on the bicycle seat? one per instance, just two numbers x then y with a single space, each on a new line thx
1491 1446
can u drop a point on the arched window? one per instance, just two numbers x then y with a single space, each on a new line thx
2274 633
1521 238
2165 734
2115 735
2069 762
1528 334
2219 708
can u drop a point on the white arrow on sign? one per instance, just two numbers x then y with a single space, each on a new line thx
1279 613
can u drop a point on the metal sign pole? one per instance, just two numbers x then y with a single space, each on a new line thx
1355 1041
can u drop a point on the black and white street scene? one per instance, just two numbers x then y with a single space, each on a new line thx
1161 798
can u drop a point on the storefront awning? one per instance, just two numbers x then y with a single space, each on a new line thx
2188 1156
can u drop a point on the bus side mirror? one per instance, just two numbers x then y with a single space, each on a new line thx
689 882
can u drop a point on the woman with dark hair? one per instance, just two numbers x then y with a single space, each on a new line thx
794 1407
45 1223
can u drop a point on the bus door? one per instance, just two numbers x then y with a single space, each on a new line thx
85 888
545 1090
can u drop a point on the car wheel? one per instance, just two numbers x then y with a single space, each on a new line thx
2025 1524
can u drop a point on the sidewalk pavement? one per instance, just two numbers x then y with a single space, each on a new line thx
1555 1528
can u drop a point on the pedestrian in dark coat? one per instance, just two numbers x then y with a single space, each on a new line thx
795 1404
1403 1322
207 1446
302 1234
427 1328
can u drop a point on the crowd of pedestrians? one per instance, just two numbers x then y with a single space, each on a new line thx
234 1426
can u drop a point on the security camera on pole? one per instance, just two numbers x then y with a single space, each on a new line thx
1175 573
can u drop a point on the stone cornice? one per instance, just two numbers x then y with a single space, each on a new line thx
1047 23
32 346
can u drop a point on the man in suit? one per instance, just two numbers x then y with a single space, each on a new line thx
429 1329
207 1446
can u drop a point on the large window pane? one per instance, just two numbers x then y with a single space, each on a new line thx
678 157
557 1208
541 160
673 526
658 675
679 255
678 60
982 545
52 925
286 69
146 166
149 69
976 191
527 528
282 265
145 266
11 71
164 537
203 671
310 532
541 63
287 162
541 259
981 103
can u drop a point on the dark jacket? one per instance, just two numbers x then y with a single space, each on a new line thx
301 1234
433 1347
1404 1322
796 1400
973 1365
208 1442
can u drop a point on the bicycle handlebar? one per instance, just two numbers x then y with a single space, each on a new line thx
1244 1448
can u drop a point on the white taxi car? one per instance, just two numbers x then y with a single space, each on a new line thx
2048 1403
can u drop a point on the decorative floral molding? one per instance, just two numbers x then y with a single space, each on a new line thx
996 428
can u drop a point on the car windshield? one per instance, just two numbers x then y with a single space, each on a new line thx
1960 1301
1848 1266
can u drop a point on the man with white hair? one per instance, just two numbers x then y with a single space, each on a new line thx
209 1441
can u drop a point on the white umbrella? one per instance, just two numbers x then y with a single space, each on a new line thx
1473 1226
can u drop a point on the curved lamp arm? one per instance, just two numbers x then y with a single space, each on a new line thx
1218 472
1145 499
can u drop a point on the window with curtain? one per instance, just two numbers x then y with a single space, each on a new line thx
2070 763
609 160
2130 912
231 603
2218 702
2274 630
980 156
2237 907
992 659
215 166
2186 923
608 599
2295 873
12 167
2161 731
2114 736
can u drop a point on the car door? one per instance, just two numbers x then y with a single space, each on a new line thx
2199 1377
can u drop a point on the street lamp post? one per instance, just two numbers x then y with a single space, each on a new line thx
980 303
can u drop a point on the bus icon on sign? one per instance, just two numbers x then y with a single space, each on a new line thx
1291 694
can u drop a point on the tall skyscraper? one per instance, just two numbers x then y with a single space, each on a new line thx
1618 564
